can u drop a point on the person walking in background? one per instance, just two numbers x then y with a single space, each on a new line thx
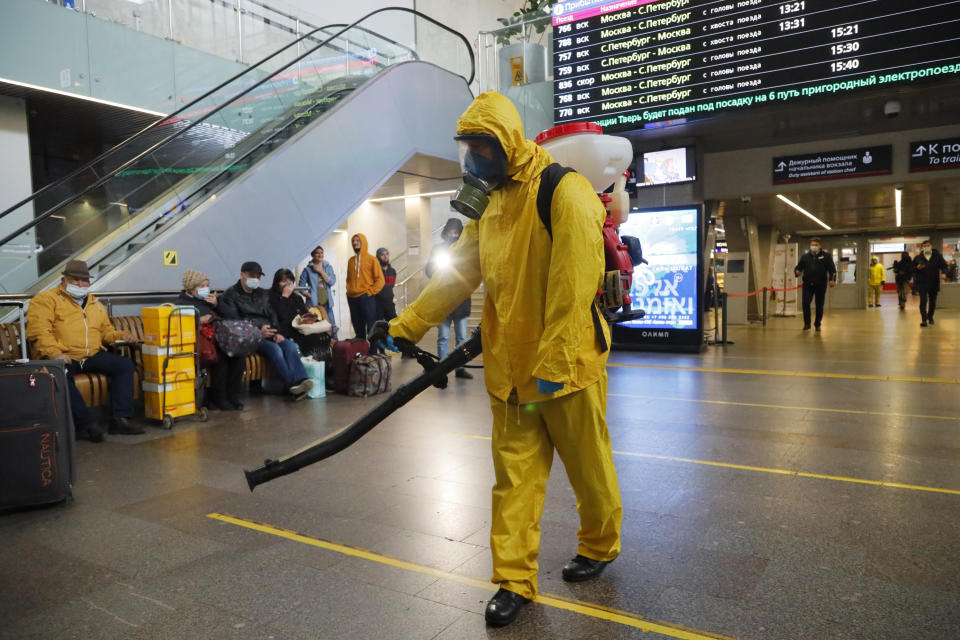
902 272
927 266
320 277
878 278
440 260
386 307
364 281
817 269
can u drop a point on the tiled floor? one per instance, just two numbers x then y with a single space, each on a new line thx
720 550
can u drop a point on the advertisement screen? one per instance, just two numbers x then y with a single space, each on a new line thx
666 288
668 166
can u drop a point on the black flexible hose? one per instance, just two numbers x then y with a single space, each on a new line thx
435 375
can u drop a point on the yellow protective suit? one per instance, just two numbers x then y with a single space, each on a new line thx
537 323
878 276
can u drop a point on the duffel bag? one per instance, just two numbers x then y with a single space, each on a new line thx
237 337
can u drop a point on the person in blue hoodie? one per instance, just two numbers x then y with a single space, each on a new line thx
319 277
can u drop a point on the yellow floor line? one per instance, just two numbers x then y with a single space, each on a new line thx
797 374
558 602
782 472
789 472
884 414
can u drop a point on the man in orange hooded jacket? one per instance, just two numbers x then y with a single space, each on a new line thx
364 281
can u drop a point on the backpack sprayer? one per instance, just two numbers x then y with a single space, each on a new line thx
602 160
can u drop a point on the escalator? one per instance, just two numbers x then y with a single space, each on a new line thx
261 167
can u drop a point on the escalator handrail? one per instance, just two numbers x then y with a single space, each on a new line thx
156 123
49 212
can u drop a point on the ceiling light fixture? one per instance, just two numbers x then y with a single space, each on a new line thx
431 194
109 103
898 200
804 211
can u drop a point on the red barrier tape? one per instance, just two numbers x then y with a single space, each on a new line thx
759 291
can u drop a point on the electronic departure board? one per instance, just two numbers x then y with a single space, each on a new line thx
641 63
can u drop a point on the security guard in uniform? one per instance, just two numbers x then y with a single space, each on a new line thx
544 356
817 269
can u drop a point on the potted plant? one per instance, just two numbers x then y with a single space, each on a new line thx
528 11
523 62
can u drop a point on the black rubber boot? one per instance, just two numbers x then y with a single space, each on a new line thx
582 568
503 607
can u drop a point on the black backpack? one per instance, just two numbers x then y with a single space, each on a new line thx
549 179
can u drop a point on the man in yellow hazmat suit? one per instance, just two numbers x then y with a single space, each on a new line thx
544 348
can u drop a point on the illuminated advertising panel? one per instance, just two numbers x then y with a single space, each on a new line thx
669 287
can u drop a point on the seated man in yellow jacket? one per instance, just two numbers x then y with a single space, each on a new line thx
544 354
67 323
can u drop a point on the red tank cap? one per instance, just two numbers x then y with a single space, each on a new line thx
566 130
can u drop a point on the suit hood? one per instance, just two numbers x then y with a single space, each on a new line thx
493 114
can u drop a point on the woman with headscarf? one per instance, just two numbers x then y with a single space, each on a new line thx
226 374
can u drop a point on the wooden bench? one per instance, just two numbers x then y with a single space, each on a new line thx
94 387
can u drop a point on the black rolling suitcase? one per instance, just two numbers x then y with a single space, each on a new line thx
36 431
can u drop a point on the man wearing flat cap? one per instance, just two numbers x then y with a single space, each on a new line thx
68 323
246 300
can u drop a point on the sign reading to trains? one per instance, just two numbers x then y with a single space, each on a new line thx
640 63
932 155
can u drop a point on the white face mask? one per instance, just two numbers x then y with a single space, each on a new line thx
76 291
928 251
253 283
203 292
814 248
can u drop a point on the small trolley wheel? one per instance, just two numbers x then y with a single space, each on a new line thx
202 414
168 422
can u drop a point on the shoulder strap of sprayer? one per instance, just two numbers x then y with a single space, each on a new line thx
549 179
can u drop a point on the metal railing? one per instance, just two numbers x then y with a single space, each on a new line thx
184 22
107 297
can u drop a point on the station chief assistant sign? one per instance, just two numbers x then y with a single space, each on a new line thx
834 165
933 155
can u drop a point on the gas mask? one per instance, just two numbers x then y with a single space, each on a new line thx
484 165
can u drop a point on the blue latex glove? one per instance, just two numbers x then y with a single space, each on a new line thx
388 343
548 388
